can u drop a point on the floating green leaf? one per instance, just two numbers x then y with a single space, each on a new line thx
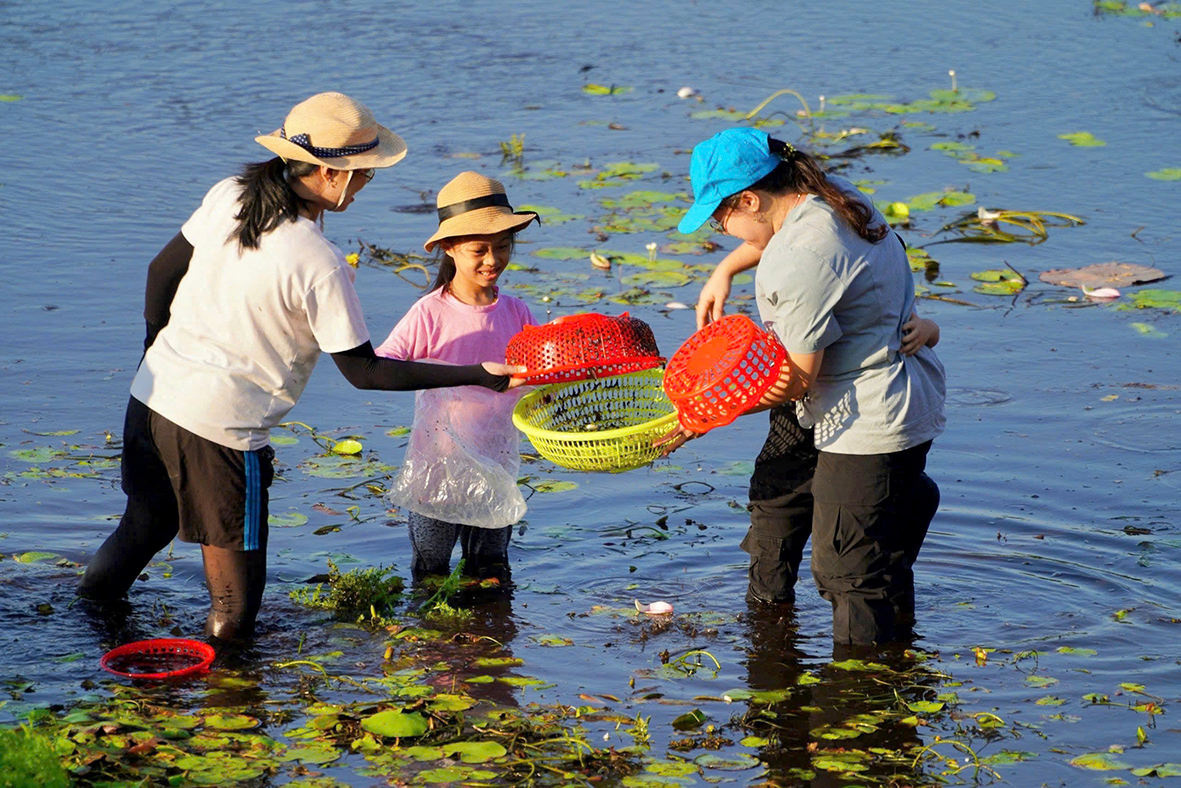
290 520
1082 139
1099 761
1157 299
1167 174
475 751
231 722
395 724
1148 331
10 97
734 762
552 487
1008 756
594 89
347 447
657 279
1160 770
689 720
1000 282
1082 652
38 455
560 253
35 556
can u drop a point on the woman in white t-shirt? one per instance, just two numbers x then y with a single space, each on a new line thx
239 306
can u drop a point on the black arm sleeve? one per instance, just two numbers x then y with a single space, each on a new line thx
366 370
164 274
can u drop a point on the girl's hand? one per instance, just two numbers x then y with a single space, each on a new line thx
493 368
918 332
677 437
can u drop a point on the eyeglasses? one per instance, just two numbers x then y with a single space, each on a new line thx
368 173
719 225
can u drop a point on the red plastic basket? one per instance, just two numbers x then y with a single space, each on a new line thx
587 345
165 658
722 371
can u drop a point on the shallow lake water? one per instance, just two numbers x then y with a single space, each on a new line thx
1048 587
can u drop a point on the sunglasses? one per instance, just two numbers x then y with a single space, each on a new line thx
368 173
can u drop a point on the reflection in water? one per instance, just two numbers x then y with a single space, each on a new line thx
846 720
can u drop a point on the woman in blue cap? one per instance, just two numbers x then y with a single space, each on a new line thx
834 284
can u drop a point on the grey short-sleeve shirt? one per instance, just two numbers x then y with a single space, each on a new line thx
820 286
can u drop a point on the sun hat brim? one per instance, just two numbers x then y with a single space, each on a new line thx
482 221
390 150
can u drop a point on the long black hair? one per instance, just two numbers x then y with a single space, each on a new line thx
268 199
798 172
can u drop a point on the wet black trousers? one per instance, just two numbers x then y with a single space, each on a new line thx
870 516
176 481
780 508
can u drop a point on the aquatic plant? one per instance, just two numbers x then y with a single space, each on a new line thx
353 594
1004 226
27 758
514 149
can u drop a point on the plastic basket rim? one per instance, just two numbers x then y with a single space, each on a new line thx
709 385
651 361
205 650
598 435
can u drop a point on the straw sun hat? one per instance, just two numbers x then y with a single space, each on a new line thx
336 131
473 204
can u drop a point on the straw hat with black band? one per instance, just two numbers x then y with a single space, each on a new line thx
474 204
335 131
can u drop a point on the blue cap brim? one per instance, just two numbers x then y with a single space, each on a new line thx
697 215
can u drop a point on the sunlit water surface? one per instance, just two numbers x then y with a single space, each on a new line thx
1060 468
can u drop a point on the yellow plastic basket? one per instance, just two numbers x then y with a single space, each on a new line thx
599 424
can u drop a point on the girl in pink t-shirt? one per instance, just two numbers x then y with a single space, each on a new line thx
459 477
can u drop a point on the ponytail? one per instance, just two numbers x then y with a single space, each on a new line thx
267 199
798 172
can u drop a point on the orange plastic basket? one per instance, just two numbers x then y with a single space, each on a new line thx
722 371
582 346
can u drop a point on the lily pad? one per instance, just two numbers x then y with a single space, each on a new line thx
475 751
39 455
231 722
657 279
1158 299
689 720
35 556
733 762
560 253
290 520
347 447
1082 139
395 724
1111 274
1099 761
999 282
1167 174
594 89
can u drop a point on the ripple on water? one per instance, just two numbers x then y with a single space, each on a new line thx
1142 431
977 397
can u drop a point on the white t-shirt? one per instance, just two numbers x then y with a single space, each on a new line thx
820 286
247 326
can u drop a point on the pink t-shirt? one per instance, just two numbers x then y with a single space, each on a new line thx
463 457
443 328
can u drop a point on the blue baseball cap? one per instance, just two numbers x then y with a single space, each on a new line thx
725 164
